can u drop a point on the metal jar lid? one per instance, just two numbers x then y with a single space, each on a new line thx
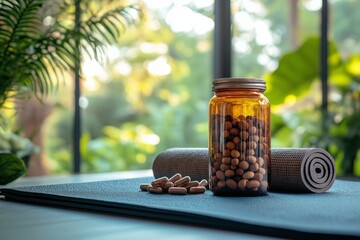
229 83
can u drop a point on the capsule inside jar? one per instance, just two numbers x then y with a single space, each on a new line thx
239 137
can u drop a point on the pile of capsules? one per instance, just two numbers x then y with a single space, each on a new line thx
176 185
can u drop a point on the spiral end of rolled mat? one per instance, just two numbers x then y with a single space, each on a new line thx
318 170
301 170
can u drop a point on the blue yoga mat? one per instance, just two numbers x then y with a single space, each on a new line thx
333 214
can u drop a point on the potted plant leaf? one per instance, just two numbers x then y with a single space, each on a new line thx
42 39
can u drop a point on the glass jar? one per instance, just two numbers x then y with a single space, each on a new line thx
239 137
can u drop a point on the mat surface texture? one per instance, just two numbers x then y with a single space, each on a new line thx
333 214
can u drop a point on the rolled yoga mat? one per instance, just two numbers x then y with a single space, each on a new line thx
291 169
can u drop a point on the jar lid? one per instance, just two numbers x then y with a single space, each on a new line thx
228 83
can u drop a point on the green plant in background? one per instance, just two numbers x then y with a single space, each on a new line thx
121 148
295 94
36 49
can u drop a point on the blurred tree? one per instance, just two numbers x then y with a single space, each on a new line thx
154 79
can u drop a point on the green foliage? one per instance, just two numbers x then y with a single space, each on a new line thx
36 49
300 122
29 55
123 148
11 167
40 52
173 106
12 143
297 71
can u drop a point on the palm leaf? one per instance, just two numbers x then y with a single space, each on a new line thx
25 43
107 28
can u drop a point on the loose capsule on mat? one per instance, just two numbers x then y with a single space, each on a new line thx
182 181
174 178
159 181
144 186
196 190
203 183
177 190
155 189
176 185
167 185
191 184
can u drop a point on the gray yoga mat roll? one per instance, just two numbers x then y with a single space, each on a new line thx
192 162
291 169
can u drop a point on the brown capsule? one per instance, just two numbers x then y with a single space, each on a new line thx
258 176
183 181
174 178
248 175
262 171
159 181
220 175
203 183
239 171
236 140
243 125
254 167
226 133
156 190
242 146
233 167
218 157
242 117
216 165
228 125
213 181
167 185
234 131
226 153
250 152
224 167
252 130
220 184
253 184
242 184
231 184
226 160
230 145
260 161
244 165
144 186
235 122
235 161
177 190
252 145
235 153
254 138
191 184
251 159
244 135
196 190
229 173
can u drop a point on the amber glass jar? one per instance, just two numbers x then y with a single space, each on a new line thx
239 137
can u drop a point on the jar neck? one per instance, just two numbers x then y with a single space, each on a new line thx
239 92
